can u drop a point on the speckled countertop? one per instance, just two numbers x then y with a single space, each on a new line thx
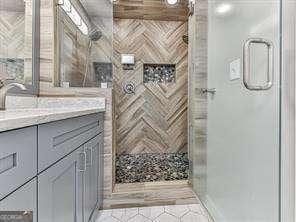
49 110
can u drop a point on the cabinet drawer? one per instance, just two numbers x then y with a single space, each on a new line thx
57 139
18 158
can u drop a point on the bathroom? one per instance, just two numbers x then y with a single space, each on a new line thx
147 111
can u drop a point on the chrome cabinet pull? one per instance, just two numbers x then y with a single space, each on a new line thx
82 161
90 158
247 65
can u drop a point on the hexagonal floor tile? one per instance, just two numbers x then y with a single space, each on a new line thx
124 214
129 213
103 214
107 219
151 212
177 210
194 217
118 213
197 208
165 217
139 218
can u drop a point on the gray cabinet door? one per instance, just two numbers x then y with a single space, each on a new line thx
23 199
60 190
100 158
18 158
91 178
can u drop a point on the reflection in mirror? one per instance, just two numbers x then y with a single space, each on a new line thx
84 43
16 40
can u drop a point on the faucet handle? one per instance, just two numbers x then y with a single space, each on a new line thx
3 80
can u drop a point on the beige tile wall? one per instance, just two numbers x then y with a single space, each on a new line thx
197 100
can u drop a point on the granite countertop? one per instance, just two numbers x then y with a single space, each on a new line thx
48 110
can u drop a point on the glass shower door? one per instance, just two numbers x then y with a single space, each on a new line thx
242 160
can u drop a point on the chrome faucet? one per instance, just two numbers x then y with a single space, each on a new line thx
4 89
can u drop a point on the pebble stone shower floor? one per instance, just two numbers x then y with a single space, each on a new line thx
150 167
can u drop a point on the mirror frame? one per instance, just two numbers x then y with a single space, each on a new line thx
33 89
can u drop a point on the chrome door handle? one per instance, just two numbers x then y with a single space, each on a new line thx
90 160
247 65
211 90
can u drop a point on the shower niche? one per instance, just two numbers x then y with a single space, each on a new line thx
159 73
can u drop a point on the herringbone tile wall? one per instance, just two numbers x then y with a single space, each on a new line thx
12 38
12 43
154 119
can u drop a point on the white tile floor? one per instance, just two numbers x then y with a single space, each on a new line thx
173 213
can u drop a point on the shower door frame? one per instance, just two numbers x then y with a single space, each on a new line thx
287 137
287 111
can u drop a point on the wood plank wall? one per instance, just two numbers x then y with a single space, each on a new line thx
154 120
151 10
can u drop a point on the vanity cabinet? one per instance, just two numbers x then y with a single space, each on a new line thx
54 168
23 199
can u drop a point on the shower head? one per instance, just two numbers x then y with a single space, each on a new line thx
95 35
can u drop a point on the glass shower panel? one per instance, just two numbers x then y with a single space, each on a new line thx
242 155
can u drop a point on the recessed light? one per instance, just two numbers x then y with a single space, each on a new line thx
172 2
223 8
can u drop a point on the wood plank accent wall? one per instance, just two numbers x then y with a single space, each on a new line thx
154 120
150 10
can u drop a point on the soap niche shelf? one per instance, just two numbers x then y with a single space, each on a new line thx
159 73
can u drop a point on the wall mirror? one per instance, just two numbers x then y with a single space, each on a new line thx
83 43
18 38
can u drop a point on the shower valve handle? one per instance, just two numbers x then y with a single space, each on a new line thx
129 88
211 90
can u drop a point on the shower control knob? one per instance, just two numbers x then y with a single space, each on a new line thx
129 88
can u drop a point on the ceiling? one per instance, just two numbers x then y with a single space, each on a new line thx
150 9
